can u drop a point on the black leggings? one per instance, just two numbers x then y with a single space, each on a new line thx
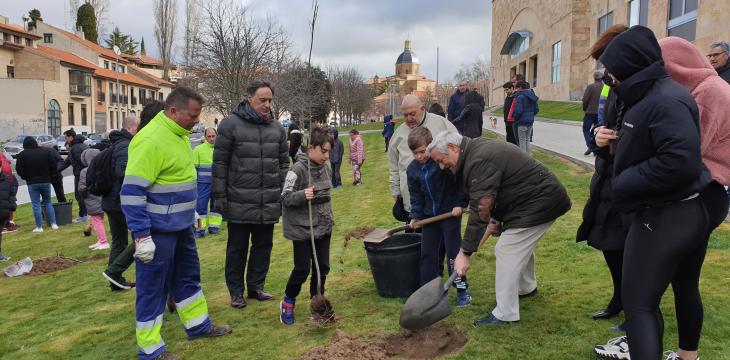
614 260
664 245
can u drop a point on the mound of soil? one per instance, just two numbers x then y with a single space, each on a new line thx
345 347
424 344
361 232
51 264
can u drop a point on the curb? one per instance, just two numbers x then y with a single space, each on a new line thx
555 121
583 165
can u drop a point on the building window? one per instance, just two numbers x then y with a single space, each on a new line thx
11 72
99 92
123 95
111 119
16 39
604 22
121 68
683 19
533 70
54 118
79 82
71 113
106 64
160 94
48 38
142 96
638 12
83 115
556 62
6 37
519 46
114 67
28 42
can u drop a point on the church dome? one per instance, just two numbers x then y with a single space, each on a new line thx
407 56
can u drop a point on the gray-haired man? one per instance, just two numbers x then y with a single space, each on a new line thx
718 56
513 193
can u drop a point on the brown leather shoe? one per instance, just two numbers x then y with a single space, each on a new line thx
238 302
261 295
215 331
168 356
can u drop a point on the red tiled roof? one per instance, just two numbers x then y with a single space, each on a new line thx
108 53
18 29
154 78
98 71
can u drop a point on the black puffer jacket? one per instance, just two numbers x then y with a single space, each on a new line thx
74 155
34 164
120 144
250 162
724 71
603 226
658 158
8 189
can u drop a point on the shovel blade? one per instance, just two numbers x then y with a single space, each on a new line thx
377 235
426 306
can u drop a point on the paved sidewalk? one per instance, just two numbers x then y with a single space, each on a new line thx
564 138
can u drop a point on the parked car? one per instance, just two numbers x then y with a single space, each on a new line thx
61 145
92 139
15 146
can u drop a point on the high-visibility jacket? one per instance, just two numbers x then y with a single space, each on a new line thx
159 191
203 161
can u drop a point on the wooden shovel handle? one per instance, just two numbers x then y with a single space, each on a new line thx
437 218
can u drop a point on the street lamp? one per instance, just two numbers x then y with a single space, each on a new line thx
117 51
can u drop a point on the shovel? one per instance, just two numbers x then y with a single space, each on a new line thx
380 234
430 303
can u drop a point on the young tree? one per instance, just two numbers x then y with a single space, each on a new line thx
101 11
141 47
86 19
165 12
125 42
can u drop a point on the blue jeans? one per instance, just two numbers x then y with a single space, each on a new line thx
38 191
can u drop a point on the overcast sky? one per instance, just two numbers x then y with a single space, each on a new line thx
366 34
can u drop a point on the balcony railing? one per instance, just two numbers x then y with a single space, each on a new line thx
81 90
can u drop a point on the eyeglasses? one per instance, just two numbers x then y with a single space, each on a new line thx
714 55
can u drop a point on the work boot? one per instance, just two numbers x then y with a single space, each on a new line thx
215 331
168 356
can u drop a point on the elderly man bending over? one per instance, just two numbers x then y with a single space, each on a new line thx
399 154
516 195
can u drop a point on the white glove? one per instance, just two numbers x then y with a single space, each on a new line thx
144 249
197 225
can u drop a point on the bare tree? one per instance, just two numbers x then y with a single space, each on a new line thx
234 50
101 10
165 12
73 8
192 29
352 98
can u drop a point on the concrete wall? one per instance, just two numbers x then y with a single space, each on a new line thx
7 57
21 108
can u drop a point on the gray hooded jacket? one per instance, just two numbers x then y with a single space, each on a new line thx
296 212
93 202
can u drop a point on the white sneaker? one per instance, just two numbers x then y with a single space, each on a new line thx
671 355
38 230
94 246
103 246
54 226
616 348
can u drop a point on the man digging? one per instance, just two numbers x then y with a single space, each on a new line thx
516 195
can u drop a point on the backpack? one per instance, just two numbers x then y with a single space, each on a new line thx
100 174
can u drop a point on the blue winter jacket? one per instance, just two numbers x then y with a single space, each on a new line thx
388 127
433 191
526 107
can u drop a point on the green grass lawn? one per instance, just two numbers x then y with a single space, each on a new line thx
71 314
561 110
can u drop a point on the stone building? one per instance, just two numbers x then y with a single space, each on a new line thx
407 75
548 40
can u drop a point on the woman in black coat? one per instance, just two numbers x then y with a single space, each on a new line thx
470 121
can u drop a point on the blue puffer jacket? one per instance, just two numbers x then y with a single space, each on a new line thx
433 191
526 107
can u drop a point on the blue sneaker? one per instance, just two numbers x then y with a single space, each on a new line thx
287 312
463 297
213 231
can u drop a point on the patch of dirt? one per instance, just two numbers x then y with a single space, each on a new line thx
322 311
346 347
424 344
52 264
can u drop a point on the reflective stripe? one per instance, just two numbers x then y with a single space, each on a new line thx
196 321
136 180
168 188
171 209
151 349
189 300
144 325
133 200
204 167
205 173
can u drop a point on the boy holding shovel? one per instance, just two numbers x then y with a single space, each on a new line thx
296 193
433 192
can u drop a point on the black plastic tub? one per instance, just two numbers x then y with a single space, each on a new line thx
394 264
